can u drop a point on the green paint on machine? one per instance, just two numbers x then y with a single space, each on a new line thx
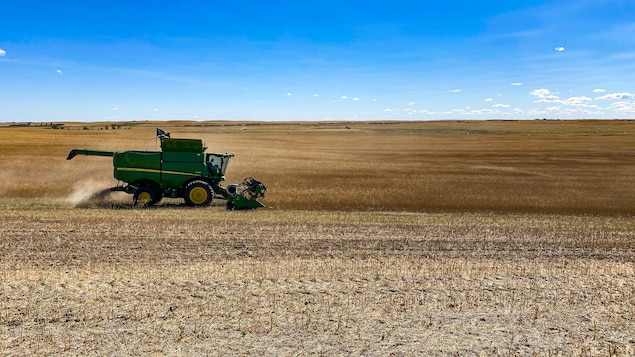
182 169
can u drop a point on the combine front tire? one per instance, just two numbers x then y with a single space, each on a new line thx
198 194
146 196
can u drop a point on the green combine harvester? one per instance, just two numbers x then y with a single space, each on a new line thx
182 169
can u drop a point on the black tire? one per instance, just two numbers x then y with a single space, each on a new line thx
198 194
146 196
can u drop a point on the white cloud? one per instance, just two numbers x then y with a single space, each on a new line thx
388 110
315 95
59 71
517 83
540 93
623 107
489 99
559 49
545 96
616 96
481 111
412 103
411 111
343 97
501 105
289 94
455 90
588 106
549 99
599 90
355 99
2 52
576 100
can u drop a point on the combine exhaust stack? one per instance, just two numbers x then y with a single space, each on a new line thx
181 169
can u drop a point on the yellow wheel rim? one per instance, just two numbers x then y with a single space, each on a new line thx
198 195
144 198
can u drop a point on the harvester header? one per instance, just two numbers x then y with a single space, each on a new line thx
182 169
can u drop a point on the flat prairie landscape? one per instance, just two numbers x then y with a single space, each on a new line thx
381 238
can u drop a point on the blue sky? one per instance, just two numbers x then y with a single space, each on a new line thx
316 60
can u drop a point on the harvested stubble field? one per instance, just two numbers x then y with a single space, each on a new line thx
446 238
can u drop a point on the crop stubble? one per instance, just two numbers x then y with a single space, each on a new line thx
171 280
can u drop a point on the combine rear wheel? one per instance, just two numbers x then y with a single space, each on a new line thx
146 196
198 194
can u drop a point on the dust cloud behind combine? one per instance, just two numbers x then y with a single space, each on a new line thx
86 192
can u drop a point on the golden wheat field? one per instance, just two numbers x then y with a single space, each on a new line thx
381 239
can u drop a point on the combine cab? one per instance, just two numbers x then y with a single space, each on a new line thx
182 169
